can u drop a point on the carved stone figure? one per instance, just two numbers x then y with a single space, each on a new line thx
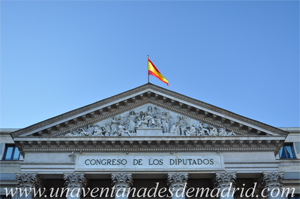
223 132
167 126
191 132
142 121
117 133
98 131
165 122
131 122
157 122
175 129
90 129
150 119
82 132
183 129
123 131
156 112
213 131
114 125
202 130
141 115
149 111
182 124
107 129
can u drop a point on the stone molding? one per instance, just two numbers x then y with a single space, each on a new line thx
75 180
174 143
273 179
223 180
27 180
208 109
122 180
177 180
166 149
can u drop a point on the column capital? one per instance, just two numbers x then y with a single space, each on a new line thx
74 180
27 180
223 180
122 180
177 180
273 179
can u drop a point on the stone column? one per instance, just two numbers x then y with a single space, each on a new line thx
225 182
74 182
178 183
273 184
122 183
26 182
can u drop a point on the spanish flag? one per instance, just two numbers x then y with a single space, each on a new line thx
152 70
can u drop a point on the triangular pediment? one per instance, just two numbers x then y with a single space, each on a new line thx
148 109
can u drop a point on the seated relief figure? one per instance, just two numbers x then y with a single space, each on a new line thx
141 120
122 131
99 131
203 131
213 131
149 115
191 132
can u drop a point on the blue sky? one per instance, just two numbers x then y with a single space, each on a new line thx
241 56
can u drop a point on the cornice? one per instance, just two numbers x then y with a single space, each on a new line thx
151 144
151 138
171 150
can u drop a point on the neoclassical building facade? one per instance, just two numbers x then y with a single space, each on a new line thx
151 137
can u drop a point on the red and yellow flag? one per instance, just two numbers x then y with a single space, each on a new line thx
152 70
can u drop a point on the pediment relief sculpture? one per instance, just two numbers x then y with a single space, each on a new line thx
150 118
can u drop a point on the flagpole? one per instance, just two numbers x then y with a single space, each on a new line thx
147 68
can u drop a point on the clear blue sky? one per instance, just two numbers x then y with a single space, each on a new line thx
238 55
